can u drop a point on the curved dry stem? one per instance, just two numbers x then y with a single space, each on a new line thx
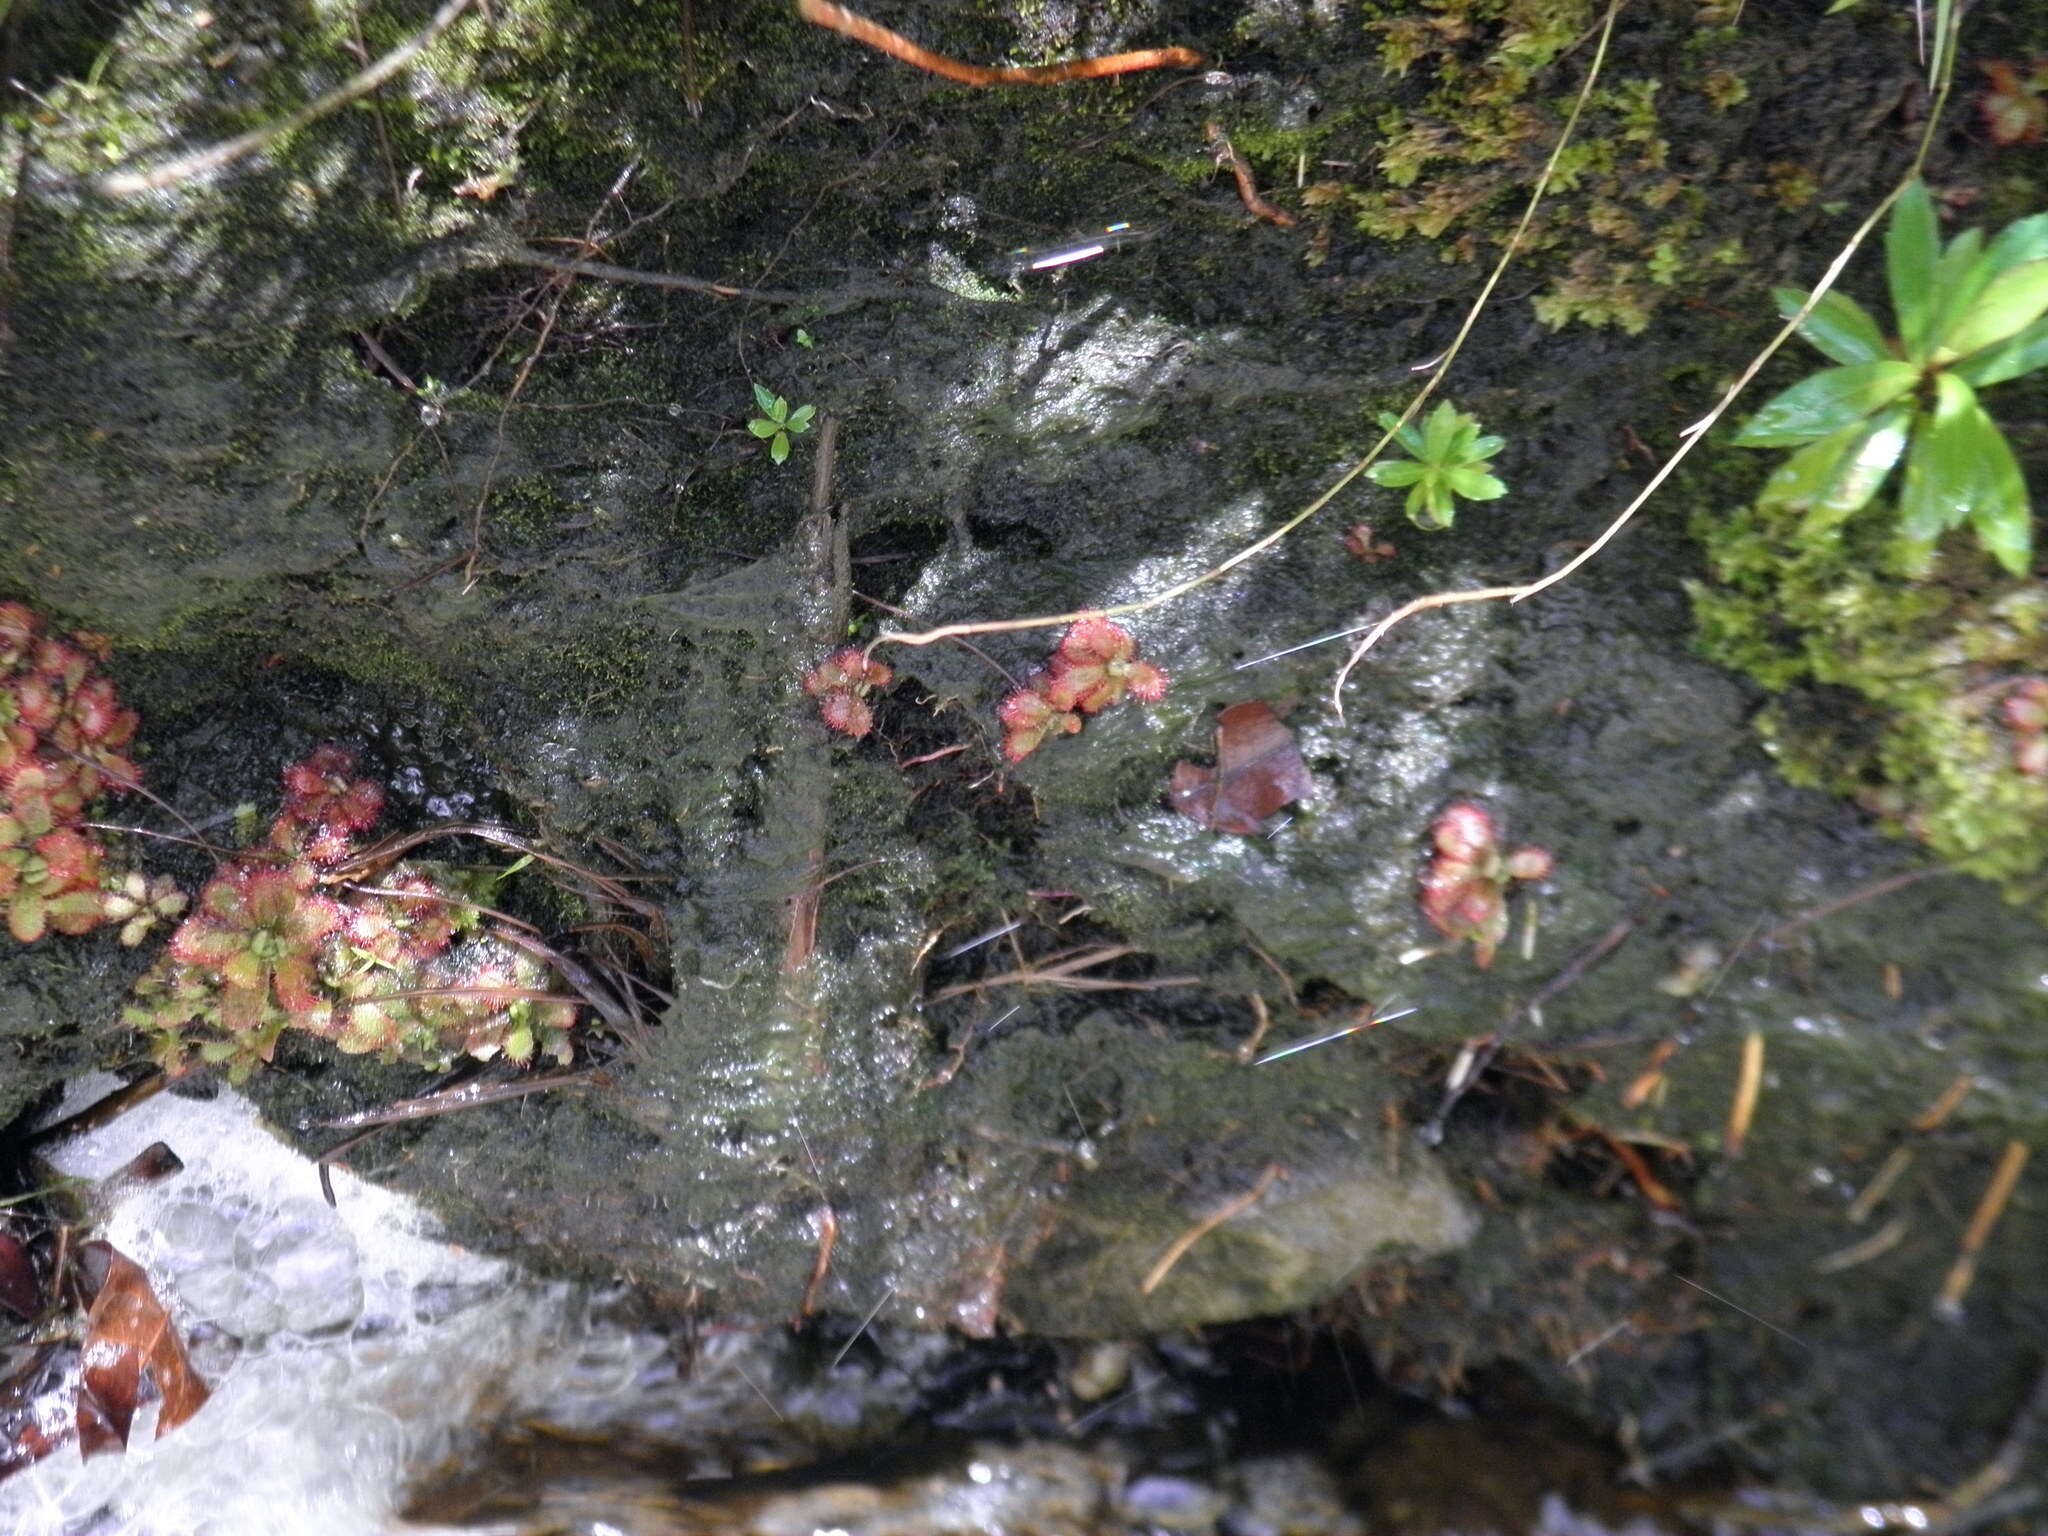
389 849
1692 436
215 156
1343 481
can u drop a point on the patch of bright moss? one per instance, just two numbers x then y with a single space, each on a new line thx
1892 679
1622 227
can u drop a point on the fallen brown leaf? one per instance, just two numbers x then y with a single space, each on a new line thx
1258 770
20 1291
127 1332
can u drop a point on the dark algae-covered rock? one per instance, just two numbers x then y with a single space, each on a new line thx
954 1020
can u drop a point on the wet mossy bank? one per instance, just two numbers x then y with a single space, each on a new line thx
274 433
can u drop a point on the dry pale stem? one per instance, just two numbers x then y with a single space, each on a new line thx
1178 1248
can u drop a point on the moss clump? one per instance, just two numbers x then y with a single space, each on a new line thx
1894 679
1625 223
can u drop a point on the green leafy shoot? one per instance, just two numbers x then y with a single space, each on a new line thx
1969 314
1449 462
778 423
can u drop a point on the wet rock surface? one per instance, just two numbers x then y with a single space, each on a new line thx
579 596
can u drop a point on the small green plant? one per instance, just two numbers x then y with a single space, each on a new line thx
1449 462
778 423
1969 315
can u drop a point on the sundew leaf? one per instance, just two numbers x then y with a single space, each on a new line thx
1431 505
1827 402
1912 246
1441 435
2009 303
1839 326
1474 484
2008 360
1405 433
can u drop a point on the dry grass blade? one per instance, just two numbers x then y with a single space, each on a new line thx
1949 1304
387 850
218 156
468 1096
1336 488
600 997
1749 1086
1178 1248
1693 435
1063 973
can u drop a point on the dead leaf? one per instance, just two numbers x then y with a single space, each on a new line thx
33 1419
1258 770
20 1291
127 1332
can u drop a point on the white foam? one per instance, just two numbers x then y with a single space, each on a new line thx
346 1347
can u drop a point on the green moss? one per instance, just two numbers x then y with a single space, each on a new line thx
1621 231
1892 678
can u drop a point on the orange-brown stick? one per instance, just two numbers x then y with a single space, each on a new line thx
1247 189
838 18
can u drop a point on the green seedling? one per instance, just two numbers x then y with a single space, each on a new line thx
1449 461
1969 315
778 423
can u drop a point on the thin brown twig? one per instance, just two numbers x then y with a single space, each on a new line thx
579 267
1879 1243
587 986
1064 973
442 897
1889 1172
362 51
1432 1131
104 1110
1935 1115
905 613
558 290
1956 1285
837 18
827 1223
1749 1085
1247 190
1178 1248
467 1096
135 786
1828 909
388 849
1262 1022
